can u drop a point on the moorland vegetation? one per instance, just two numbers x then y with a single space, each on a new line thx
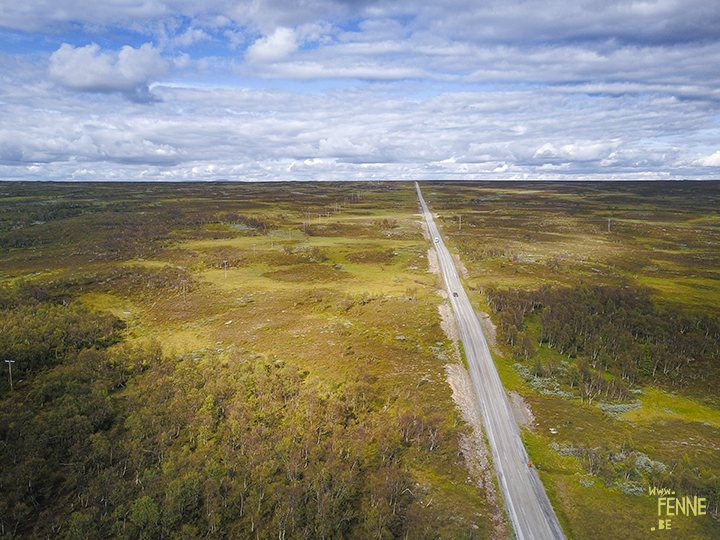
267 360
605 298
225 361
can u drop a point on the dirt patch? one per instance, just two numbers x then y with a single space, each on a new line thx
447 322
472 444
488 327
522 411
460 266
424 227
490 330
433 264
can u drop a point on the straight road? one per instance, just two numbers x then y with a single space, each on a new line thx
526 502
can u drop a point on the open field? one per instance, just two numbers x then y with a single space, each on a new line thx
259 332
659 242
325 288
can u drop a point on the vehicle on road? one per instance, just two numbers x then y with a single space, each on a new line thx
455 294
437 240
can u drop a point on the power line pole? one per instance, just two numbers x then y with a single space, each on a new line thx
127 321
225 269
460 223
183 282
253 245
10 363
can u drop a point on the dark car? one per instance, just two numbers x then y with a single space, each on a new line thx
455 294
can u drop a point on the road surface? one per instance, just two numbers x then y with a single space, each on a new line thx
526 502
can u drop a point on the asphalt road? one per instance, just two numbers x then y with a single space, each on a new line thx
526 502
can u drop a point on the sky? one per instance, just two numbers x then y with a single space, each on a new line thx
263 90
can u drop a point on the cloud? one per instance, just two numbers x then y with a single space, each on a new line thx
191 36
89 70
234 38
305 71
711 161
365 89
491 21
274 47
579 151
361 132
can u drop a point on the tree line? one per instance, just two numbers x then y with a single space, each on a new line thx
615 330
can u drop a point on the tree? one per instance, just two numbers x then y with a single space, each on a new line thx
145 515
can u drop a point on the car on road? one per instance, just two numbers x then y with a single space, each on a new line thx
455 294
437 240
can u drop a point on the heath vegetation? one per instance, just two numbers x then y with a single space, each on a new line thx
225 361
605 297
267 360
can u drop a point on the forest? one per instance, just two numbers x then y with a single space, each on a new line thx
149 403
613 330
269 360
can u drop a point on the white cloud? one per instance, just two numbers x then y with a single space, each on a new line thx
490 21
191 36
368 132
467 89
578 151
235 38
90 70
274 47
711 161
304 71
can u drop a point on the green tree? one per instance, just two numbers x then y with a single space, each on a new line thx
145 515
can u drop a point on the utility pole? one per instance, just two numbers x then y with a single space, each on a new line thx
608 224
225 269
127 322
183 282
10 363
460 223
253 245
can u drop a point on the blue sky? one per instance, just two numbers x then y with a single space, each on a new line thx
355 89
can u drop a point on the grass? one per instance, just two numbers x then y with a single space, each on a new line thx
658 405
663 236
350 299
558 235
356 310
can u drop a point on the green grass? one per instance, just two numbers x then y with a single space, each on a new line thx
340 318
662 235
657 405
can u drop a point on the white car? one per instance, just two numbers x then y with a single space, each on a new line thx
437 240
